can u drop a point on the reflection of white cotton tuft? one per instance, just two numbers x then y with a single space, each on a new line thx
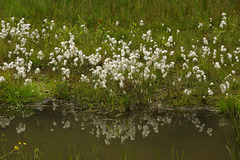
21 127
66 124
146 131
209 131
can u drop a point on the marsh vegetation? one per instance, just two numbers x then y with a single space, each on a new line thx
120 55
114 63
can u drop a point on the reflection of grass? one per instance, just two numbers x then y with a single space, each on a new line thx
175 155
231 106
234 148
93 153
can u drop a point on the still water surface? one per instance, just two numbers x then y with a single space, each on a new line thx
61 134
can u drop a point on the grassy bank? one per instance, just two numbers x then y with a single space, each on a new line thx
121 54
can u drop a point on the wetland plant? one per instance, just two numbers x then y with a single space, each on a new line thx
234 147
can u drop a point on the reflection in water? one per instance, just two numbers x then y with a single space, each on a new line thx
121 128
21 127
5 121
126 128
135 127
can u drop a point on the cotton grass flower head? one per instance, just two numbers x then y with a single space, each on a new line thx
205 41
223 22
187 91
2 79
28 82
37 71
223 88
210 92
200 25
214 40
217 65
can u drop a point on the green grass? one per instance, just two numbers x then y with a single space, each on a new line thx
230 105
17 93
183 14
99 19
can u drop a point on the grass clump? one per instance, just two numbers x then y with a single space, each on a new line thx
230 105
19 92
234 147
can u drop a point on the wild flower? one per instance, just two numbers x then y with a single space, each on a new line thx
217 65
223 49
187 91
227 84
214 40
200 25
205 41
210 92
141 23
229 56
28 82
237 59
169 29
223 23
2 79
185 66
40 55
121 84
20 72
16 147
66 71
182 50
223 88
188 75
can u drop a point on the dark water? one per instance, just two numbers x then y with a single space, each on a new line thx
70 133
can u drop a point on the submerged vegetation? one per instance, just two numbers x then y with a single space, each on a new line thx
120 56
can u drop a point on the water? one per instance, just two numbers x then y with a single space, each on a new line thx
62 134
